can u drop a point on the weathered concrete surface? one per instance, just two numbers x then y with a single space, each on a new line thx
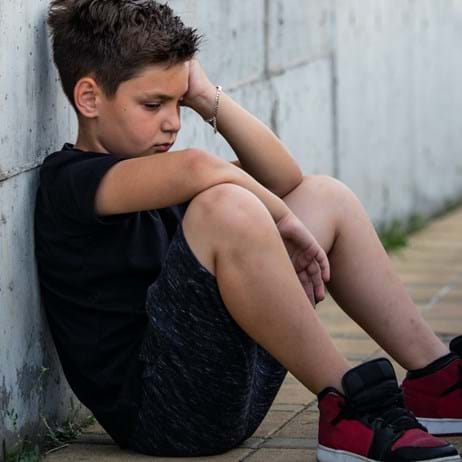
367 91
31 384
234 45
35 115
298 32
307 126
34 120
399 144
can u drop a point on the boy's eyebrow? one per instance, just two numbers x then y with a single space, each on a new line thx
154 95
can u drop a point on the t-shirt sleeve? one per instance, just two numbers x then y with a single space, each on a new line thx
72 187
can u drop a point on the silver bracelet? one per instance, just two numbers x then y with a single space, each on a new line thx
213 120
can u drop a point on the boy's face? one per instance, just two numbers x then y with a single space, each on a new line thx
143 117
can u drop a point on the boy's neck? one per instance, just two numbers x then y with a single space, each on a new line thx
87 142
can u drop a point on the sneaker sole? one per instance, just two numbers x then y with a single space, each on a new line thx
442 426
325 454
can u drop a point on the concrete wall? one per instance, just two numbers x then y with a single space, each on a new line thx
34 118
399 70
364 90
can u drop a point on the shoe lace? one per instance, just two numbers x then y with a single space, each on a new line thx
387 411
457 385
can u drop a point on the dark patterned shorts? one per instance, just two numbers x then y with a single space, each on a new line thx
206 385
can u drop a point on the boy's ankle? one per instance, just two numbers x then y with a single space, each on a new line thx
434 393
433 367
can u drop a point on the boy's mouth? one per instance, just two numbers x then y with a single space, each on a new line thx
163 147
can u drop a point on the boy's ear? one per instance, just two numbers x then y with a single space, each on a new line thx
86 97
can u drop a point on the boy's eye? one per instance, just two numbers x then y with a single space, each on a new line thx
152 106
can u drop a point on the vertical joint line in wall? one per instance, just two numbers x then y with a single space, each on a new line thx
335 122
266 27
275 115
334 91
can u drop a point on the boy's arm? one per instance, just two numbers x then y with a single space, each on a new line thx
165 179
162 180
260 152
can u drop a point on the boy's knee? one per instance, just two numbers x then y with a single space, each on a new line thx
327 186
227 208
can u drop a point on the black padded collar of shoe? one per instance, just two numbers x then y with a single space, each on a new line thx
432 367
367 375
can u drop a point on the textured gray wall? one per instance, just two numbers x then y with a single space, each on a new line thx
368 91
34 118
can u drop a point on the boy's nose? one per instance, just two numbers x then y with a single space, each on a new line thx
172 123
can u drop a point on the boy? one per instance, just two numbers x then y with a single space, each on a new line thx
178 286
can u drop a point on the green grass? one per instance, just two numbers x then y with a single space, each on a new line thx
395 234
66 432
24 451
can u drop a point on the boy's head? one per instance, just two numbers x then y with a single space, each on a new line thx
103 46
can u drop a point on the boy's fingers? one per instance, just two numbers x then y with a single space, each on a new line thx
315 277
300 260
310 293
323 262
320 293
317 253
317 280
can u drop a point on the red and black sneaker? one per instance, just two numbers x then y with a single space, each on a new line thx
370 422
434 393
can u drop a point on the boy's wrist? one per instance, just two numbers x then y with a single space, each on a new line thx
205 103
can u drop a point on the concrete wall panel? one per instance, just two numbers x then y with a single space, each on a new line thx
375 142
302 115
31 384
234 45
395 72
35 114
310 26
437 64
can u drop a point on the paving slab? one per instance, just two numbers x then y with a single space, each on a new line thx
294 393
283 455
105 453
302 425
445 310
431 268
273 422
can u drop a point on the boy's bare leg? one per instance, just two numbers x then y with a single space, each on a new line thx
362 279
233 235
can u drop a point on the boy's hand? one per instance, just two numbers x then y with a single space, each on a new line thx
201 92
308 257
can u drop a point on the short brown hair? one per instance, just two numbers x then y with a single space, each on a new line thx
113 40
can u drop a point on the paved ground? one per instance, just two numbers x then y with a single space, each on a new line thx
431 269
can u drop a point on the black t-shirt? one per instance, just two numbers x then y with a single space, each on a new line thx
93 273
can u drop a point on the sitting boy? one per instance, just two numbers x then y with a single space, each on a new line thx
179 287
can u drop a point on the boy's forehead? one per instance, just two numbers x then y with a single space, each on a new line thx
162 81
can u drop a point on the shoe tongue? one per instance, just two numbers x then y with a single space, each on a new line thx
371 382
372 389
456 345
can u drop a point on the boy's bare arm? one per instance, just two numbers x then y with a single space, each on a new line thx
161 180
260 152
165 179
